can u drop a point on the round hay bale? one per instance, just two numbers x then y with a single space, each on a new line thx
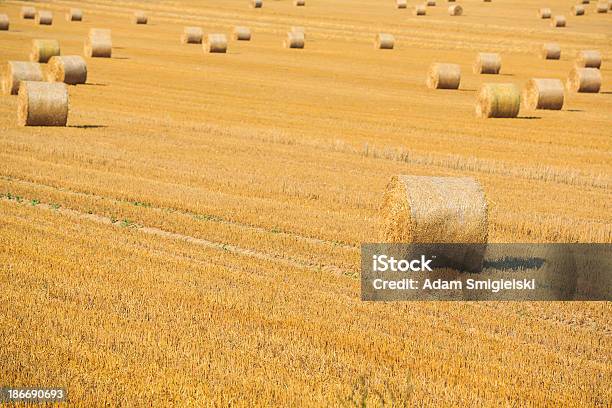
242 33
544 12
455 10
300 30
44 17
28 13
99 43
295 39
140 17
216 43
74 14
42 104
543 94
551 51
42 50
578 10
401 4
444 76
431 3
299 3
256 3
487 63
586 80
420 10
422 209
558 21
498 101
384 41
17 71
589 59
602 7
70 69
4 22
192 35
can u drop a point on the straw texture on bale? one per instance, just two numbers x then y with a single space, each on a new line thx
242 33
256 3
192 35
295 39
300 2
578 10
558 21
444 76
401 4
589 59
420 10
431 3
543 94
584 80
28 13
216 43
99 43
16 71
42 104
44 17
42 50
384 41
140 17
487 63
544 13
74 14
4 22
498 101
70 69
551 51
421 209
455 10
602 7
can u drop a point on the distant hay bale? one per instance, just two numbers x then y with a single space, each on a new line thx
420 10
422 209
543 94
603 7
384 41
455 10
431 3
192 35
444 76
99 43
585 1
544 12
70 69
578 10
295 39
28 13
242 33
299 2
140 17
551 51
42 50
44 17
589 59
4 22
17 71
299 29
215 43
42 104
74 14
256 3
558 21
487 63
586 80
401 4
498 101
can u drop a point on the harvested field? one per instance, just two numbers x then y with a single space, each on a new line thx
194 230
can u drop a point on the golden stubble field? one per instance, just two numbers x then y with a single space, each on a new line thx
192 237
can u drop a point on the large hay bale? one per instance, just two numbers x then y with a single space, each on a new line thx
578 10
42 104
299 3
498 101
140 17
603 7
543 94
256 3
242 33
74 14
544 12
4 22
192 35
421 209
44 17
420 10
216 43
551 51
384 41
487 63
295 39
42 50
70 69
99 43
455 10
28 13
586 80
589 59
558 21
401 4
444 76
431 3
17 71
